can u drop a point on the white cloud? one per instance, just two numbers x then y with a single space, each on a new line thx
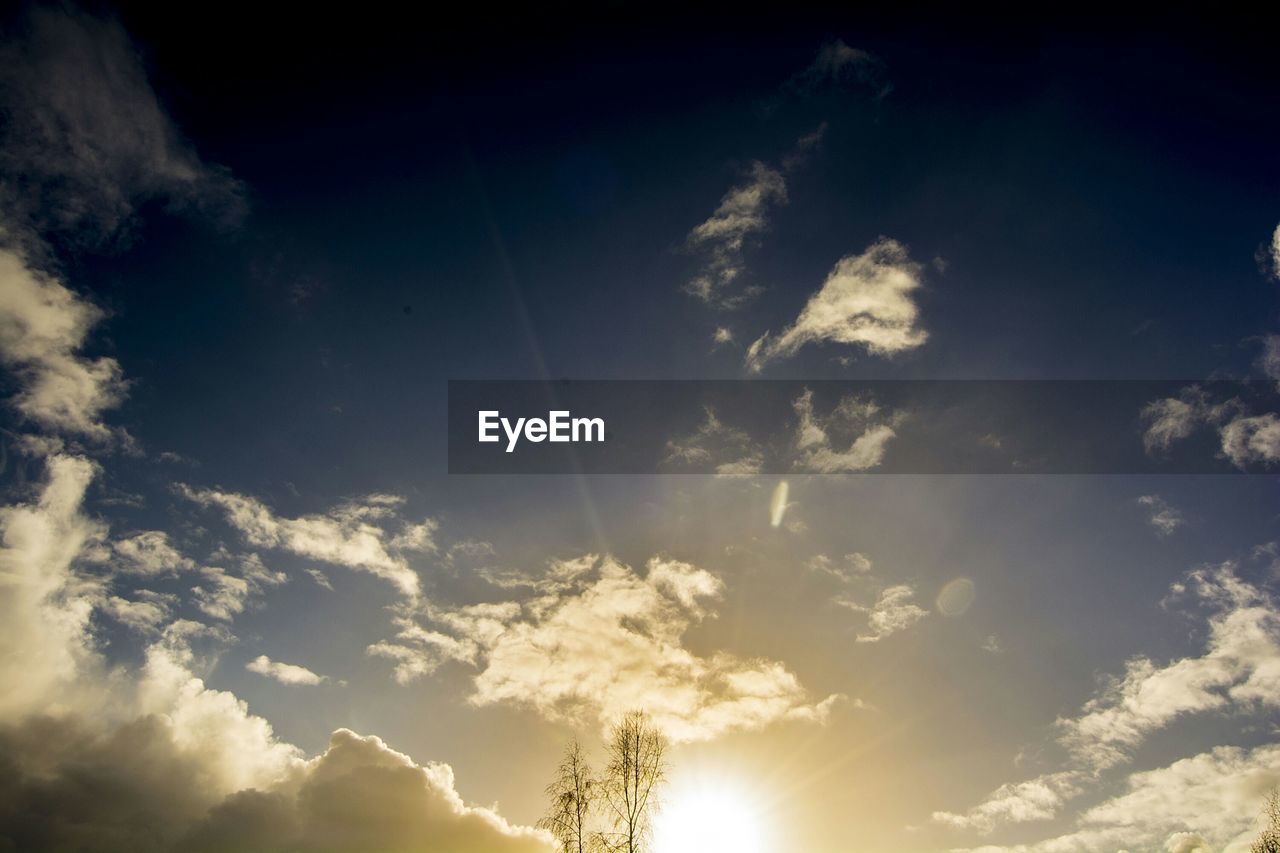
45 644
285 673
893 611
859 420
1166 519
149 553
43 327
1246 440
224 595
868 300
1209 801
1252 440
1238 671
846 569
596 639
717 447
1275 252
347 535
741 215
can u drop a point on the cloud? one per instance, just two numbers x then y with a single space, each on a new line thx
43 327
893 611
1238 671
285 673
1164 518
1252 440
848 568
45 607
146 613
149 553
362 795
837 62
87 137
595 639
1019 802
742 215
717 447
351 535
858 419
1209 801
867 301
223 595
1245 440
1269 358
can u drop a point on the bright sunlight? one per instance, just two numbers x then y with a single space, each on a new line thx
709 820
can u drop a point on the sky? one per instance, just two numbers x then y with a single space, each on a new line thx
245 606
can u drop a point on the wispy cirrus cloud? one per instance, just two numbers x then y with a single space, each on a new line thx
741 217
87 134
867 300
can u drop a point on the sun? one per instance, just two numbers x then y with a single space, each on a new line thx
709 820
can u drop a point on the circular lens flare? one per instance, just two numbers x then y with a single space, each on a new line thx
957 597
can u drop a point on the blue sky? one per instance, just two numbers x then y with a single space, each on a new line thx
239 266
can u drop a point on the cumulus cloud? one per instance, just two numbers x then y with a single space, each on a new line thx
87 137
154 760
595 639
45 606
353 534
865 428
867 300
1166 519
1238 671
285 673
138 788
741 217
43 327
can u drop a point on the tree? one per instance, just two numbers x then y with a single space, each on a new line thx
1269 840
636 771
573 796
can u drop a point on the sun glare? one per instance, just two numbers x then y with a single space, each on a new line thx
713 820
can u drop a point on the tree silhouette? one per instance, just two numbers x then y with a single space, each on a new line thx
636 770
573 795
1269 840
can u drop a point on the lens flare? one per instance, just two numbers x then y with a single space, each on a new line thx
778 504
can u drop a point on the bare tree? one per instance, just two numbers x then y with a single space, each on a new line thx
573 794
1269 840
636 770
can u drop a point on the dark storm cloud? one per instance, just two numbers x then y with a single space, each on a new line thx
86 141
